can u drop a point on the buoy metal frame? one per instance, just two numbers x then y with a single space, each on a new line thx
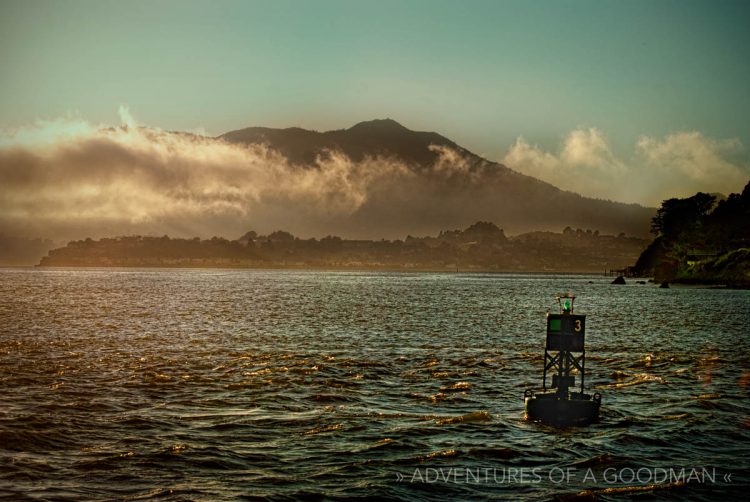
564 353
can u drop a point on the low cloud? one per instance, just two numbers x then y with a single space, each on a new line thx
676 165
69 179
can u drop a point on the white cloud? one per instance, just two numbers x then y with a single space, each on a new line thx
65 178
690 158
677 165
46 132
126 118
588 148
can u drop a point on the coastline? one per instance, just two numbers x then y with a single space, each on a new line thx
304 268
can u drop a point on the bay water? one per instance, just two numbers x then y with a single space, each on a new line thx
211 384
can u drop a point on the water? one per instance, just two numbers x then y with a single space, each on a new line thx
216 384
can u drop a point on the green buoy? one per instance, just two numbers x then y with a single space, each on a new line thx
564 357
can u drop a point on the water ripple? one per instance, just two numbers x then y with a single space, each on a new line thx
206 385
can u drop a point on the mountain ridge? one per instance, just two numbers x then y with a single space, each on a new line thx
372 137
484 189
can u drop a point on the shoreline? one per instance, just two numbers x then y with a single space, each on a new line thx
699 283
318 269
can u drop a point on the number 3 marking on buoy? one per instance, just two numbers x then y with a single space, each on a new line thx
578 325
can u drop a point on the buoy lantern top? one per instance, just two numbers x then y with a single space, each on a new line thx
565 300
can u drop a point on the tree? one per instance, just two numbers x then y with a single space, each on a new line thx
681 216
729 223
281 236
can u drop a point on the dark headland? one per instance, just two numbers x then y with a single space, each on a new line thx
703 239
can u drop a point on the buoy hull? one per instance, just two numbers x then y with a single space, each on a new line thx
550 408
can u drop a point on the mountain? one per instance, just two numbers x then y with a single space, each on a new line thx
449 187
376 137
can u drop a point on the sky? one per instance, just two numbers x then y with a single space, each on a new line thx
632 101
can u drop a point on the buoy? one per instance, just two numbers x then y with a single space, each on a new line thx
564 356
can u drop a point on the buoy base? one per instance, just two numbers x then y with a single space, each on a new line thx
562 409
